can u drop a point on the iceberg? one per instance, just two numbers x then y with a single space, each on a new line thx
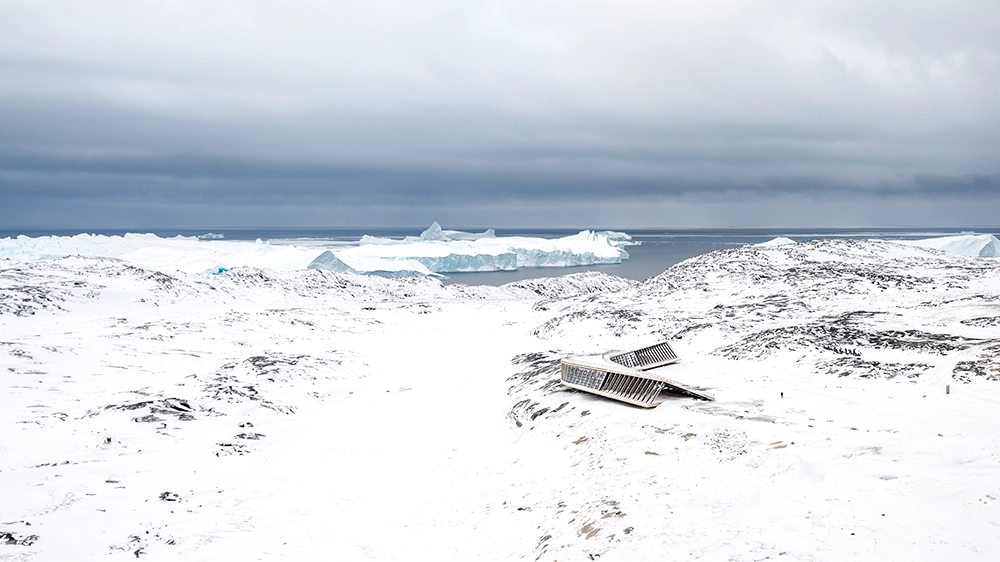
402 268
330 262
779 241
434 233
459 235
450 251
974 245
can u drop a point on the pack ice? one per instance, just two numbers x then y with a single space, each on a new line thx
313 414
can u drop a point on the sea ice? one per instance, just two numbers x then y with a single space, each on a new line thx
434 251
178 253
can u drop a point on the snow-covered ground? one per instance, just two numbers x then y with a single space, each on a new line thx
311 414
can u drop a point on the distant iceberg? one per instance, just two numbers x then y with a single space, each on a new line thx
330 262
434 232
975 245
401 268
779 241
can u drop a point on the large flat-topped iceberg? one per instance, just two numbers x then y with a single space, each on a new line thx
975 245
448 251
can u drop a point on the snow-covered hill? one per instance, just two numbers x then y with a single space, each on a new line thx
321 415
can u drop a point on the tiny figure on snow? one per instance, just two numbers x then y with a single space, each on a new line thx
782 394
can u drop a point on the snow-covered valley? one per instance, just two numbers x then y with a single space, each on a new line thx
315 414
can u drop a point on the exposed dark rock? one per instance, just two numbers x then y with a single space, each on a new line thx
537 381
12 539
853 366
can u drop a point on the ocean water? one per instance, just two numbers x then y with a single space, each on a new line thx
658 249
661 248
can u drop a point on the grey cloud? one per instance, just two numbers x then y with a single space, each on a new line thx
455 105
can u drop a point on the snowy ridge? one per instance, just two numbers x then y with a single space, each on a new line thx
573 285
263 414
810 297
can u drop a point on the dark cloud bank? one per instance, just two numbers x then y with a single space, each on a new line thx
501 113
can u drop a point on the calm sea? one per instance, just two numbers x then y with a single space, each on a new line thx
659 248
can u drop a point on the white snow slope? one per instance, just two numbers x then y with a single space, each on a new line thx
314 415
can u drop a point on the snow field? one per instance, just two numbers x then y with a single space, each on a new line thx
310 414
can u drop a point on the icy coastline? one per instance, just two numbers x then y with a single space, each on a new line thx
267 414
436 252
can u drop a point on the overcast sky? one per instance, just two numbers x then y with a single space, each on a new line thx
510 113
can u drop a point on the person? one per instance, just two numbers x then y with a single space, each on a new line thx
782 394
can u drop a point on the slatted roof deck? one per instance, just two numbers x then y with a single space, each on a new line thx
627 376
